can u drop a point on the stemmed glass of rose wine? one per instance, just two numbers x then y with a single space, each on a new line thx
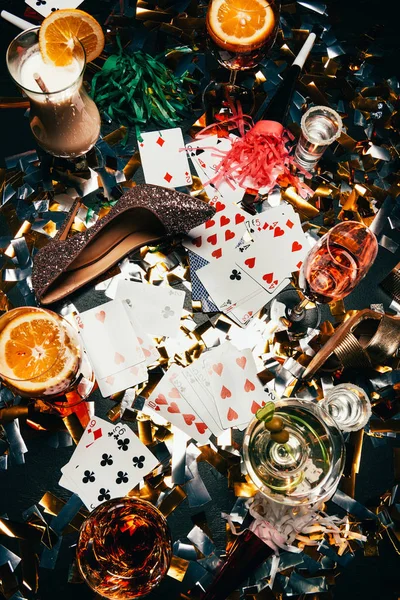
240 33
331 270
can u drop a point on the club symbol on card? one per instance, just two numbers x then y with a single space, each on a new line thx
88 476
138 461
103 495
122 477
160 141
167 312
123 444
168 177
106 459
235 275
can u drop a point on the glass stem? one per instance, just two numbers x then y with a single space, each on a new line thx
297 312
232 77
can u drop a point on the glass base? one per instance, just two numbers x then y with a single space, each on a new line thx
219 97
280 312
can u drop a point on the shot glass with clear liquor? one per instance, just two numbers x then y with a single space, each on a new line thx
320 126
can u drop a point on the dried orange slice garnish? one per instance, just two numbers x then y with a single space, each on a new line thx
238 24
59 32
36 352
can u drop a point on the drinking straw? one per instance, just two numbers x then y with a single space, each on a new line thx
20 23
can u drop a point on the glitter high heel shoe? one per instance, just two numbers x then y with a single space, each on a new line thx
142 216
365 340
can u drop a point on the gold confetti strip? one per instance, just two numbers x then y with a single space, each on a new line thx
172 500
178 568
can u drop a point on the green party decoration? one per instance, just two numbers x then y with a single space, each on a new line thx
137 89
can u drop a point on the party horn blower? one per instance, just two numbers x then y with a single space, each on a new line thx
247 553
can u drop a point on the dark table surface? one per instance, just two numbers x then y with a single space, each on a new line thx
22 486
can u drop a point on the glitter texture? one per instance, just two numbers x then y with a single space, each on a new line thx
177 212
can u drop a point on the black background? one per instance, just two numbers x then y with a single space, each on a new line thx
22 486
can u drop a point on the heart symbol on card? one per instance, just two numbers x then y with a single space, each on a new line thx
110 380
174 393
197 241
219 206
229 235
212 239
201 427
299 264
232 415
255 407
296 247
268 277
188 419
161 399
241 362
118 358
225 393
250 262
140 340
218 368
146 352
224 220
278 232
101 316
209 223
239 218
173 408
134 370
249 386
217 253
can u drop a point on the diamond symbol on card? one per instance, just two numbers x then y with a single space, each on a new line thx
160 141
289 223
167 177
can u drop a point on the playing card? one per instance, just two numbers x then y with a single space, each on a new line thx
45 7
230 287
193 391
206 154
151 354
278 249
223 231
158 309
109 339
123 380
167 401
237 390
163 160
117 463
199 292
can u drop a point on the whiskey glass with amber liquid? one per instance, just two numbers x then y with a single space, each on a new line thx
240 34
124 548
331 270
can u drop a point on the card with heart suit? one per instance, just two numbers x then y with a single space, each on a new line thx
46 7
206 156
150 352
108 462
167 401
163 160
190 387
109 339
232 290
279 247
215 237
237 391
157 308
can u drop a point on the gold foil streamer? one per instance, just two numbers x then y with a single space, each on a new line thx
74 426
304 208
52 505
214 459
178 568
172 500
145 431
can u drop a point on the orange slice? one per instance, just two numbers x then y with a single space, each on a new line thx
238 24
36 353
59 32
